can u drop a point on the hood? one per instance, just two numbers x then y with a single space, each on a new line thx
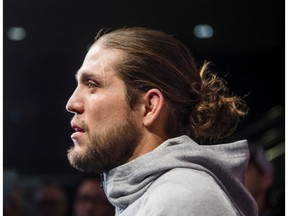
226 163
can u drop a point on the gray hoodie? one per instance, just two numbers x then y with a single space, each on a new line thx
183 178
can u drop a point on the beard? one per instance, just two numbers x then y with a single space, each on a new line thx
107 149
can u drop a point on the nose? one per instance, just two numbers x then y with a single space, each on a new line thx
75 104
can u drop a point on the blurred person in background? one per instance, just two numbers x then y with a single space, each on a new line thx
14 203
49 199
259 178
90 199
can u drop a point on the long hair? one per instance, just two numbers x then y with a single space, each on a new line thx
198 100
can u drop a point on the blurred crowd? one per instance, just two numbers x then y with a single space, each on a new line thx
50 198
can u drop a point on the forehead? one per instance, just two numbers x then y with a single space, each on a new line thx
100 61
90 187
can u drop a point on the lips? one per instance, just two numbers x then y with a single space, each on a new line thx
79 131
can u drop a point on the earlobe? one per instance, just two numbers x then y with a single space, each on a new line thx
154 103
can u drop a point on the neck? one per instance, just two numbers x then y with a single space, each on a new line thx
147 144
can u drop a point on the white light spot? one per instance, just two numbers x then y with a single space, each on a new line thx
16 33
203 31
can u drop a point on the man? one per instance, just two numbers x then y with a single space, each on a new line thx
259 178
91 200
49 199
140 105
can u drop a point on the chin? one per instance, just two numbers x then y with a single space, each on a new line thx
73 157
76 151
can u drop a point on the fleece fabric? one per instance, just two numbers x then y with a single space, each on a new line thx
183 178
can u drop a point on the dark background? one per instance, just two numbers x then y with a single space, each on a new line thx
247 48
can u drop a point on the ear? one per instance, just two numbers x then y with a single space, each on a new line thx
154 103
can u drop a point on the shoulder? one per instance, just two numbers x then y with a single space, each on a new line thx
188 180
188 191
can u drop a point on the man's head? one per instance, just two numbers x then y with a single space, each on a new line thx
49 199
90 200
138 87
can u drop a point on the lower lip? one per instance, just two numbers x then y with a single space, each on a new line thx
77 135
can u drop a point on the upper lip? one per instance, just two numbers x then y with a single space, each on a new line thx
77 127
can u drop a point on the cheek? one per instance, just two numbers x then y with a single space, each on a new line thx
104 112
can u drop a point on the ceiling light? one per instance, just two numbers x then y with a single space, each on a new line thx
203 31
16 33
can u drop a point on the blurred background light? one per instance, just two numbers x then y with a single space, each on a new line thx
203 31
16 33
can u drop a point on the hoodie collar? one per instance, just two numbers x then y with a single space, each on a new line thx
226 163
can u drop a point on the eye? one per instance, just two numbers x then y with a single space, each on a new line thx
92 84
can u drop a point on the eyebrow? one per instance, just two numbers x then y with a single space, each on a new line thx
86 75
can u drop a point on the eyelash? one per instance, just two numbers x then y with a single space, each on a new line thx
92 84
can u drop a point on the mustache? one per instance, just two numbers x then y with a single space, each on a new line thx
80 123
